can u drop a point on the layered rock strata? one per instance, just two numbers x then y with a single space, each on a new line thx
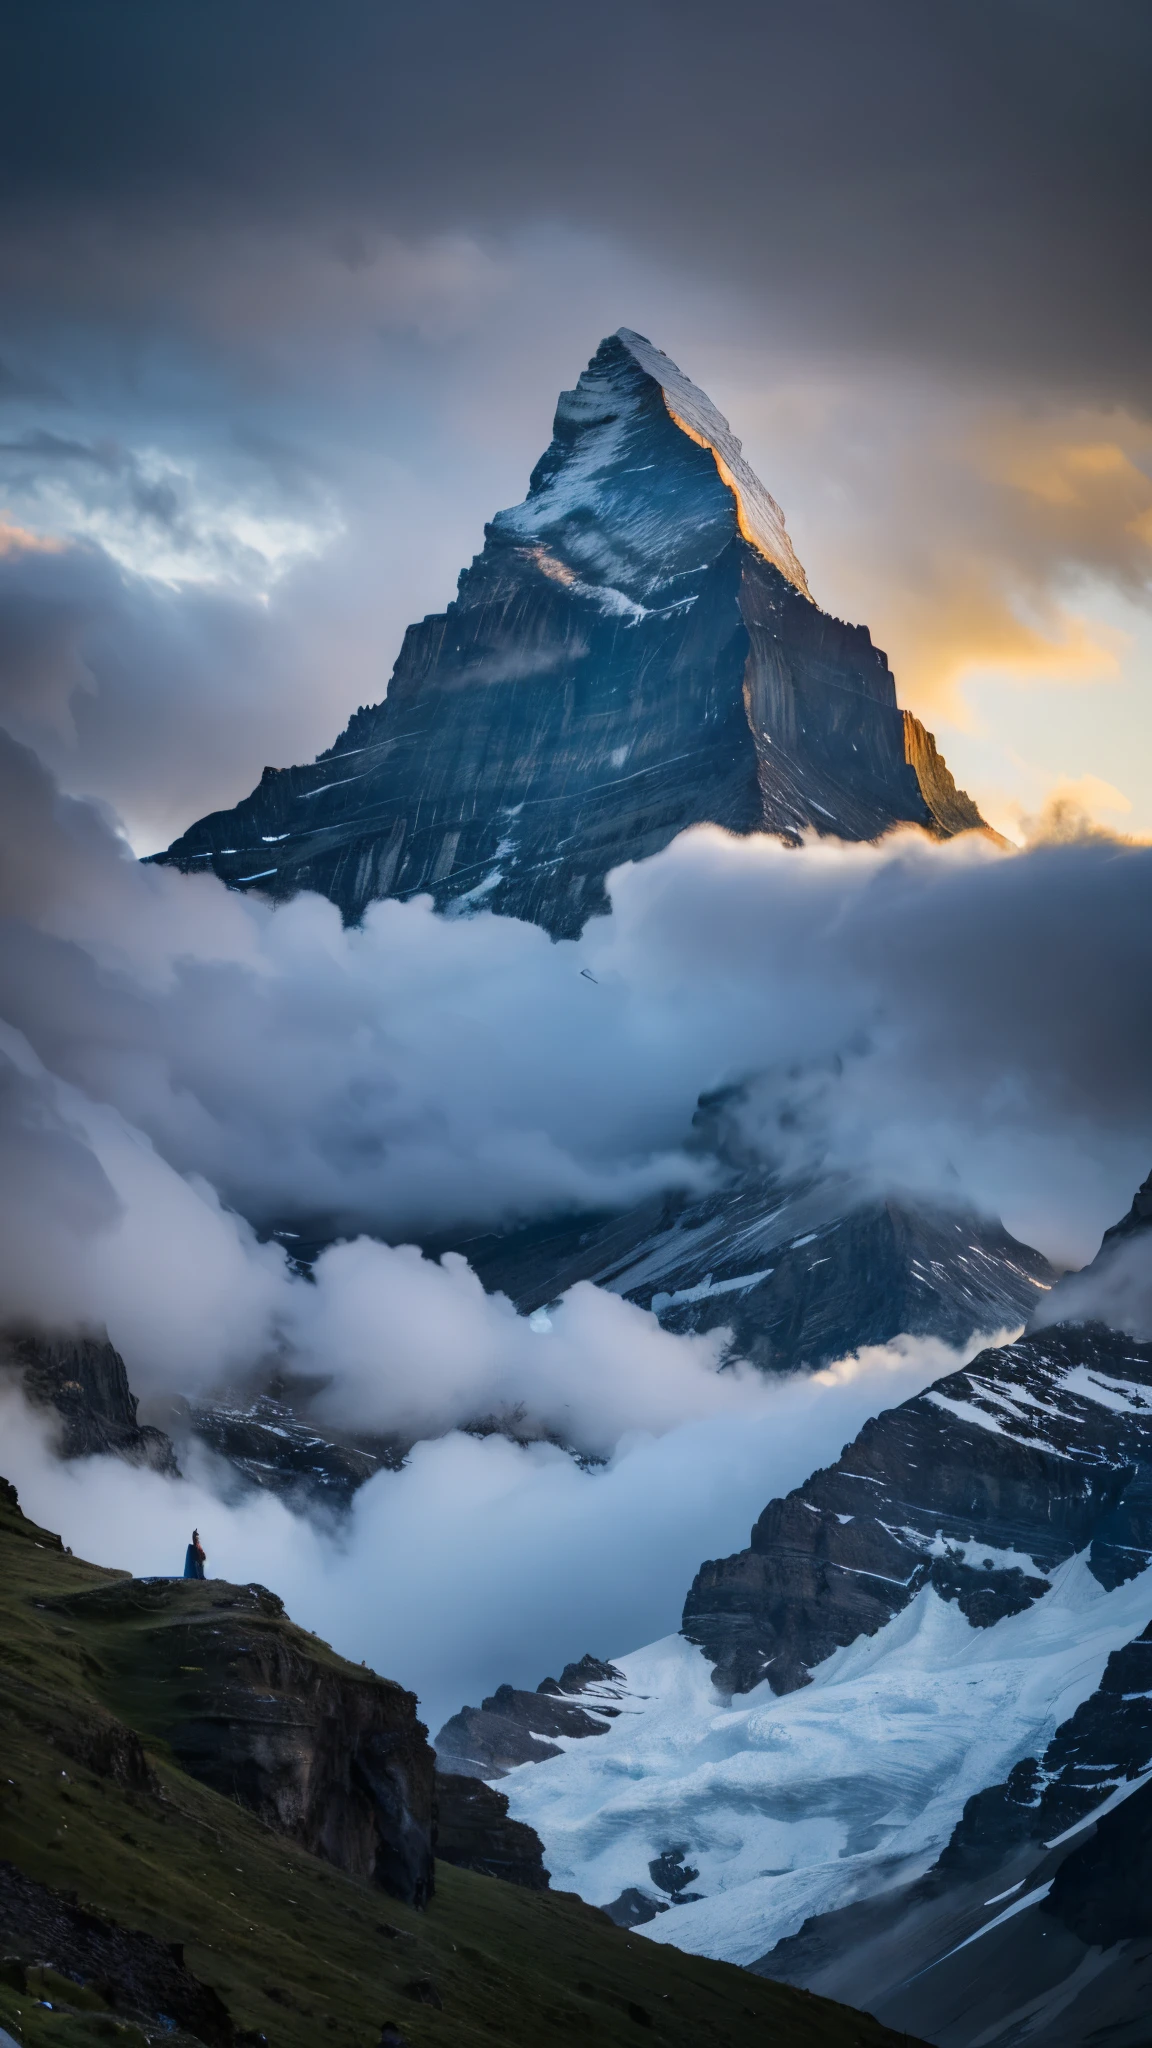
980 1486
633 651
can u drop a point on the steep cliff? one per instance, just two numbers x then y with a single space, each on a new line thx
153 1907
323 1751
513 1727
474 1832
634 651
83 1380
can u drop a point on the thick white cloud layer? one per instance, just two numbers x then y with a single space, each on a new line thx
933 1017
174 1059
484 1561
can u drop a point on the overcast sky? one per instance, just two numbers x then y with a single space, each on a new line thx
291 290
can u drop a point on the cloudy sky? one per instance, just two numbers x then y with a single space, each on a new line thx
290 292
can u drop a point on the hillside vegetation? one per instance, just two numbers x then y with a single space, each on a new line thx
93 1804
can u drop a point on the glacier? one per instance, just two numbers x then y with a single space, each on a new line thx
795 1806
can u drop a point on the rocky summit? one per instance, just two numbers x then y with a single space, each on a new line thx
635 650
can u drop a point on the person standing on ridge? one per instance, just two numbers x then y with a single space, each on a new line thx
195 1558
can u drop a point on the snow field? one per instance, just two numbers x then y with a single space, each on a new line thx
797 1805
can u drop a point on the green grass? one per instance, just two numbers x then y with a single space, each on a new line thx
297 1950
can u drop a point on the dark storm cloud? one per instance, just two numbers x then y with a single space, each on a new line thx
965 182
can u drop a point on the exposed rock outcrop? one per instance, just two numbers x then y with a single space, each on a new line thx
952 809
634 650
271 1445
1103 1891
83 1379
322 1750
1106 1744
1031 1453
473 1831
512 1727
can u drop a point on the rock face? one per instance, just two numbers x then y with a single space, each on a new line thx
323 1751
273 1447
800 1273
83 1379
512 1727
474 1832
1033 1452
922 1719
633 651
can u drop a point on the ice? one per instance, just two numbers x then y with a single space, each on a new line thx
1009 1913
797 1805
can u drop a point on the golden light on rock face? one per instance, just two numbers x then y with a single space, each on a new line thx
973 531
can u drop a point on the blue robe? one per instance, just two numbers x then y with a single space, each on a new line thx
193 1565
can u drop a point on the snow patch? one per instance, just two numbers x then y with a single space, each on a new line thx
706 1288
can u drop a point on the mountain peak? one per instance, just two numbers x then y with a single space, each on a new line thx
623 505
760 519
634 650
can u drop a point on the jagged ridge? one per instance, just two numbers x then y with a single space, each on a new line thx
633 651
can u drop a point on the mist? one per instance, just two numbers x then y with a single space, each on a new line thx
482 1561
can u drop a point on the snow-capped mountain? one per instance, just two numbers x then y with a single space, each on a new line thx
980 1488
635 650
909 1716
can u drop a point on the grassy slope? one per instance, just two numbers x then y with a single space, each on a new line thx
296 1949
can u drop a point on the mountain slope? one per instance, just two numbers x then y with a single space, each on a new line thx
906 1628
633 651
800 1273
1030 1455
295 1948
832 1772
1049 1872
